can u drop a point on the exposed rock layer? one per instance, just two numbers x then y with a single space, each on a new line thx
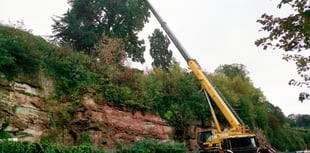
32 115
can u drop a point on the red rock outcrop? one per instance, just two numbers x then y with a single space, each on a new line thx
33 115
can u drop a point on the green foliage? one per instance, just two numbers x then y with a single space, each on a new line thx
45 147
290 33
159 51
233 70
152 146
20 52
86 138
176 95
233 82
178 98
65 114
261 116
82 26
71 73
286 139
299 121
23 53
278 131
251 105
110 51
15 107
3 133
51 118
15 147
145 146
287 33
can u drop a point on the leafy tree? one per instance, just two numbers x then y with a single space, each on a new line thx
83 25
110 51
291 33
233 70
178 98
159 50
299 121
261 116
237 88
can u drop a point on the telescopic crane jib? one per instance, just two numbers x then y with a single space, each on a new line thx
237 139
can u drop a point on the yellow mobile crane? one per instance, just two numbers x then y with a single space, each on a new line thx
237 139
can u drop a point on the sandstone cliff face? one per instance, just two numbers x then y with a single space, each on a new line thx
32 115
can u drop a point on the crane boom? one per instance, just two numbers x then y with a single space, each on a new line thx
237 139
169 33
206 84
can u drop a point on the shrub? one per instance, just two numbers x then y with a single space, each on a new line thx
45 147
20 52
70 72
152 146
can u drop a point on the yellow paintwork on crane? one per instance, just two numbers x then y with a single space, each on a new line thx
232 120
237 138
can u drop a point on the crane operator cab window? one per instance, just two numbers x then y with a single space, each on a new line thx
204 136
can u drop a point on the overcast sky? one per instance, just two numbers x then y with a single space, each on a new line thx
213 32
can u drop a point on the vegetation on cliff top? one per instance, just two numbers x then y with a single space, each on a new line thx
176 96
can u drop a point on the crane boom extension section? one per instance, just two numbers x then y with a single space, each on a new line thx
230 117
237 139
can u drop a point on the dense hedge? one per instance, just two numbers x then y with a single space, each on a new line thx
152 146
145 146
26 147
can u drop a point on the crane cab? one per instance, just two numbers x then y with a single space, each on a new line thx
210 142
207 141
